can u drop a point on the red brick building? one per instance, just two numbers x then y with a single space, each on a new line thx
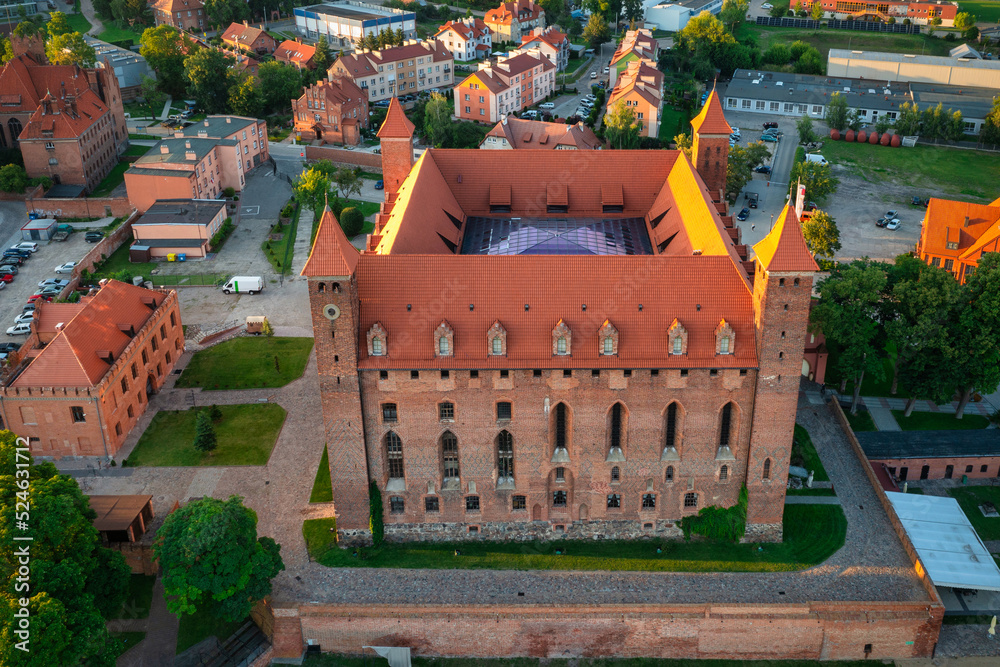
955 234
334 111
182 14
515 358
85 374
249 38
917 12
912 456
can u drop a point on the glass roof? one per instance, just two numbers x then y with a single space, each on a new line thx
555 236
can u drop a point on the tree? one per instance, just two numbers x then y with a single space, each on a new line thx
739 169
847 315
778 9
882 125
221 13
821 234
964 20
352 221
810 62
632 10
69 49
908 120
347 181
245 98
621 127
311 189
971 33
989 133
131 11
212 558
836 112
437 120
13 178
76 584
280 83
58 25
777 54
932 122
819 182
702 30
854 120
733 12
103 8
165 49
975 333
400 37
6 51
204 433
804 126
207 72
799 48
597 31
816 11
154 98
214 413
684 144
323 56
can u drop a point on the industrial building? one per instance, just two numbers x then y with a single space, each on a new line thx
344 23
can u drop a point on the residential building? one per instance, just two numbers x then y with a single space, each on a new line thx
199 162
513 20
243 64
786 94
186 15
294 52
129 67
467 39
955 234
921 13
551 43
909 67
512 84
397 71
574 406
84 377
174 226
672 16
640 87
513 132
68 121
333 111
637 46
344 23
248 38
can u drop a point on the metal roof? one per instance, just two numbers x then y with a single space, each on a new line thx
181 212
117 512
940 61
811 89
946 543
930 444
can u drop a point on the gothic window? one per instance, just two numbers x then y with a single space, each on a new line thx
377 339
443 349
14 126
444 340
560 474
505 455
561 427
609 346
723 473
690 500
616 474
677 338
561 339
614 501
394 455
616 427
497 339
561 345
449 455
725 338
767 469
670 428
725 425
669 476
608 337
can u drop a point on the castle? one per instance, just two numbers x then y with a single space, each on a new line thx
537 344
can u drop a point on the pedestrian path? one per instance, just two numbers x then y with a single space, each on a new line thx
882 416
981 408
812 500
166 108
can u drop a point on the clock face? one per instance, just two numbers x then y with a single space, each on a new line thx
331 311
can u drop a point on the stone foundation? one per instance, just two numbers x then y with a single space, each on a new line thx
354 538
528 531
763 532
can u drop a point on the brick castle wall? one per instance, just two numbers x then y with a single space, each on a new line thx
340 156
937 468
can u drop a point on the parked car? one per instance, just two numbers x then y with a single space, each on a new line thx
893 224
53 282
3 283
9 347
379 184
7 278
25 245
607 70
66 268
39 297
891 214
10 252
753 199
767 5
882 222
744 214
769 124
51 291
763 169
22 329
9 268
16 260
23 317
593 75
93 237
770 138
29 307
547 105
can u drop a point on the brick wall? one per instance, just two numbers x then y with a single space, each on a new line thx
81 207
973 466
340 156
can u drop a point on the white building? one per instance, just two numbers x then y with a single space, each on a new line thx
673 15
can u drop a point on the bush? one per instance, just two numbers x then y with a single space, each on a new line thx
288 210
13 178
215 414
717 523
352 221
229 192
220 236
375 508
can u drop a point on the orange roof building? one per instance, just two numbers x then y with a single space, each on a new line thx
519 133
467 39
296 53
640 88
512 84
955 235
403 70
512 20
84 376
249 38
637 45
541 343
553 44
182 14
333 111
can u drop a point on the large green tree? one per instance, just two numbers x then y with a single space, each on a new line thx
836 111
734 12
70 48
964 20
324 56
165 49
58 25
221 13
597 31
131 12
739 170
212 558
989 133
976 332
821 234
245 98
701 30
437 120
621 128
908 121
804 126
311 189
75 584
207 73
13 178
819 182
280 83
347 182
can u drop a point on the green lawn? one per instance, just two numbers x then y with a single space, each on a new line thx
114 33
275 250
320 535
336 660
246 436
114 178
128 640
824 40
810 492
804 454
322 491
812 534
938 421
861 422
78 23
669 122
941 171
119 261
985 11
248 363
969 497
136 150
200 626
140 597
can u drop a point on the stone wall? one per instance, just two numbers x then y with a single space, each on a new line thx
369 161
80 207
514 531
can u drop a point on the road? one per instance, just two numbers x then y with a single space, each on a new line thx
87 9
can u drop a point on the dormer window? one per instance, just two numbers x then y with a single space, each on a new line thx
443 348
496 339
678 345
608 337
444 340
723 345
677 338
561 339
725 338
377 340
609 346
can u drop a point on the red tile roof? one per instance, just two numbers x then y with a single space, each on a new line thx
521 133
332 254
638 79
294 52
173 6
396 125
337 92
64 118
473 28
72 358
552 37
945 222
523 10
366 63
638 42
784 248
244 34
711 119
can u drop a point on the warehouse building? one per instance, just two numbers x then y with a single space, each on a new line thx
946 70
344 23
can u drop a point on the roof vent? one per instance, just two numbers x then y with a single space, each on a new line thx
229 119
696 251
106 356
187 144
62 325
458 178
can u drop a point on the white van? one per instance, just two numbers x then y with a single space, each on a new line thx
817 158
244 284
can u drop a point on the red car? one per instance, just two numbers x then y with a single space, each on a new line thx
7 278
39 297
769 124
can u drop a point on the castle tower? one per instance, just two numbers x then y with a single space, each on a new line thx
396 135
710 144
782 290
333 302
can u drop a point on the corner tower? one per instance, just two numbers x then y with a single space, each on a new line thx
782 290
396 135
710 144
333 303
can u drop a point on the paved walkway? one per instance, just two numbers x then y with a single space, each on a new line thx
812 500
87 9
165 114
882 416
160 644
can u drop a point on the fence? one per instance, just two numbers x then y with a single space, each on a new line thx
188 279
836 24
341 156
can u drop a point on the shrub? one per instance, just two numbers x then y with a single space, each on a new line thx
375 508
215 414
266 328
204 439
229 192
718 523
352 221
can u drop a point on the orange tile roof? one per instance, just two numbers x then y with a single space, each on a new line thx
396 125
523 10
552 37
366 63
337 92
467 28
71 359
784 248
244 34
945 222
639 79
332 254
294 52
522 133
711 119
64 118
637 42
173 6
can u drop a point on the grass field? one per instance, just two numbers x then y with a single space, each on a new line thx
278 249
939 421
322 491
246 436
985 11
119 261
804 454
824 40
942 171
79 23
140 597
202 625
969 497
812 534
861 422
335 660
114 178
248 363
136 150
669 120
114 33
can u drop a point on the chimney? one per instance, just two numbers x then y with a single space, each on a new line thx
164 149
187 144
190 155
966 221
60 326
229 119
206 122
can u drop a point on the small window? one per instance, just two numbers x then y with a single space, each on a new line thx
781 282
614 501
472 503
968 469
414 375
124 385
173 320
135 374
649 501
595 373
690 500
445 375
536 373
145 358
559 499
504 374
767 469
503 411
723 473
497 345
561 345
156 346
473 375
684 372
678 345
129 412
983 468
432 504
713 372
383 375
560 474
118 429
616 474
669 475
78 416
609 345
443 348
446 411
389 412
519 503
724 345
567 373
396 505
377 347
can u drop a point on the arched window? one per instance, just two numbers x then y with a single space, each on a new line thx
321 288
723 473
561 435
796 282
443 348
725 425
670 441
394 455
616 426
561 345
505 455
678 345
497 345
335 287
609 345
616 474
14 125
449 455
669 476
3 139
767 469
377 349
